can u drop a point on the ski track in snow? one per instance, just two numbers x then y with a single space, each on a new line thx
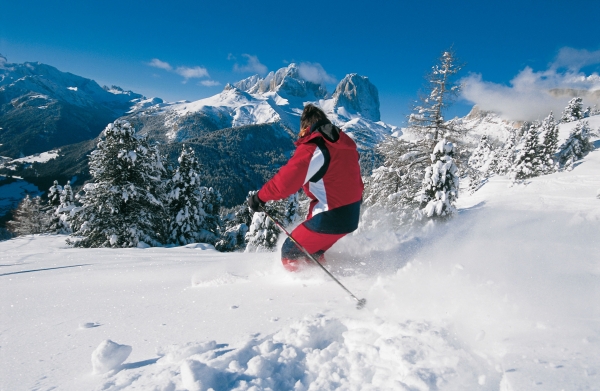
503 297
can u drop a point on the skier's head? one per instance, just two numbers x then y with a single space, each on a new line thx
310 116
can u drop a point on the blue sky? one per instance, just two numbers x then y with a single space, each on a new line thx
200 46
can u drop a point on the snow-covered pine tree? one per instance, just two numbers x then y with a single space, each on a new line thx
392 191
482 155
573 111
482 163
61 215
476 179
54 193
395 188
587 112
440 185
506 156
263 233
122 204
527 163
29 218
211 204
184 197
549 145
576 146
235 223
427 116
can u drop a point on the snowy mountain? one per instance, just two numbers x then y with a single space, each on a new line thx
277 98
42 108
487 123
48 110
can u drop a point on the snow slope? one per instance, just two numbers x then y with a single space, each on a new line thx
36 158
504 297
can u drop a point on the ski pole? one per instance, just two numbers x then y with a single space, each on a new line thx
360 303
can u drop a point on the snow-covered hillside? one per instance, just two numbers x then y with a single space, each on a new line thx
43 108
503 297
277 98
33 81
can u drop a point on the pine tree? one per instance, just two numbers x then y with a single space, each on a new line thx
235 223
587 112
185 201
549 145
427 117
440 185
482 155
122 205
476 179
54 193
392 191
576 146
573 111
527 163
263 233
211 204
29 218
506 157
61 214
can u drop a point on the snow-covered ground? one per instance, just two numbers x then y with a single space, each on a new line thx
504 297
37 158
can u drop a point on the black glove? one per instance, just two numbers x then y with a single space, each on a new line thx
255 203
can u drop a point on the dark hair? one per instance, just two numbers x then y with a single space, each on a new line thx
311 115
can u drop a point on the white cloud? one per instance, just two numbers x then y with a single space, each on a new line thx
191 73
575 59
156 63
314 72
252 66
186 72
210 83
532 95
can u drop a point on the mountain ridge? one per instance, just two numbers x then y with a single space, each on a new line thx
42 108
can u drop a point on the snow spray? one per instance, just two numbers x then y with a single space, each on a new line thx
360 303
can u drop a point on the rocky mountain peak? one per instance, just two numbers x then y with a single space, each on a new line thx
477 113
285 81
357 94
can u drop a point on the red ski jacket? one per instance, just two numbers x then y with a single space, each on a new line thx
325 164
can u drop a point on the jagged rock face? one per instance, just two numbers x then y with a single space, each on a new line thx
477 113
246 84
285 80
357 94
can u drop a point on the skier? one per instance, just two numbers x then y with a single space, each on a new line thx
325 164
